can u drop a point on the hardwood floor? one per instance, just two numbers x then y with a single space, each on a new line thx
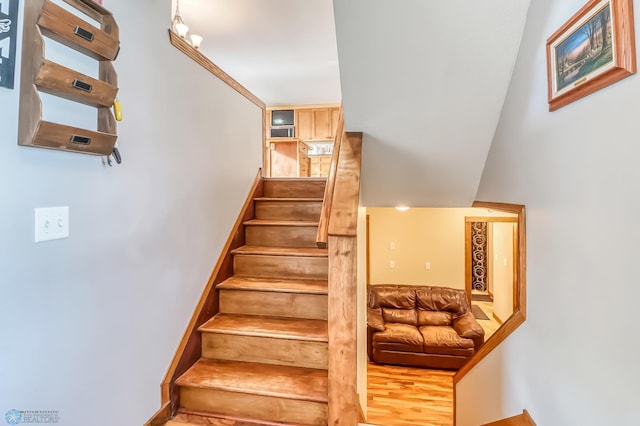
491 325
405 396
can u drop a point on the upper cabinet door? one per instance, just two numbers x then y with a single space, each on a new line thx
304 124
321 124
335 117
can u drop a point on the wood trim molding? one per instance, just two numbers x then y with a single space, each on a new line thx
490 219
180 44
162 416
520 309
523 419
190 346
307 106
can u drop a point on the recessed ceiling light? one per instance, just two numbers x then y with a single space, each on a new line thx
402 208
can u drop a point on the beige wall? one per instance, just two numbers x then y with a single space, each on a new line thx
434 235
501 268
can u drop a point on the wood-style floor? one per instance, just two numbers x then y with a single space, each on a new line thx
405 396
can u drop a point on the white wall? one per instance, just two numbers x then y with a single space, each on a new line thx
575 360
501 268
89 324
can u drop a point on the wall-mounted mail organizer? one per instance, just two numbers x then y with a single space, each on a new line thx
44 18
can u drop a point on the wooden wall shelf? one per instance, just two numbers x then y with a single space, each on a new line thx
69 84
42 17
66 28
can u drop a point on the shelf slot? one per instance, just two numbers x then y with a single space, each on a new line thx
59 136
72 31
66 83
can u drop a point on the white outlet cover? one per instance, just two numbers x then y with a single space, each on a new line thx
51 223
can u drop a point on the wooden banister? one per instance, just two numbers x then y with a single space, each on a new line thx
323 225
340 208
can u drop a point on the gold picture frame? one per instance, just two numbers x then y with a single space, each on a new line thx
593 49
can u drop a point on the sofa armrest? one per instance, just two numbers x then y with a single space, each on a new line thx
467 326
375 320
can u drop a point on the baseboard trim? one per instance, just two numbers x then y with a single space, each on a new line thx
523 419
362 418
162 416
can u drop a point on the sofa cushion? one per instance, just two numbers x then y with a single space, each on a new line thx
392 296
374 319
434 318
404 337
445 340
442 299
404 316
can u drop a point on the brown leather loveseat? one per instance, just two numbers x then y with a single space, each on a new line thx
421 326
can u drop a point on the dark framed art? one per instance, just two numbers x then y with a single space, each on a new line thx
593 49
8 39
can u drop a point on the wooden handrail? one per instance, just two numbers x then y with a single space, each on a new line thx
323 224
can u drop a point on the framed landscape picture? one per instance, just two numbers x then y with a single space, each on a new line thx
593 49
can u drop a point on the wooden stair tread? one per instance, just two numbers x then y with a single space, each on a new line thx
299 383
275 285
261 326
295 179
195 418
282 251
287 199
268 222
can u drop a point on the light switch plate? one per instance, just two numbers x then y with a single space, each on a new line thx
52 223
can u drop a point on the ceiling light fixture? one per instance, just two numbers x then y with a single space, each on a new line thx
179 27
177 24
402 208
196 40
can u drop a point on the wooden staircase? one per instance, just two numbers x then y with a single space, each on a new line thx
264 355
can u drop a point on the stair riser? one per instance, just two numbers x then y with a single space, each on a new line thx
265 350
288 305
288 210
308 188
311 268
259 407
281 236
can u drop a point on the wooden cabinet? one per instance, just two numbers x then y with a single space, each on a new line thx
288 158
320 165
316 124
304 124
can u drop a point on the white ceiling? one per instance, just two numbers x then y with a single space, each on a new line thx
424 80
284 51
